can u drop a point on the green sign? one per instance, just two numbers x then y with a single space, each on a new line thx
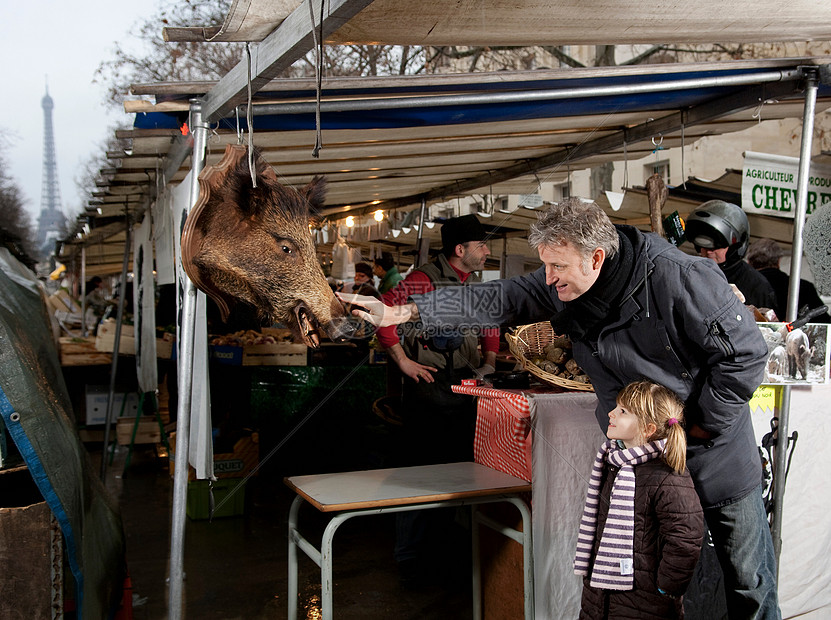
769 185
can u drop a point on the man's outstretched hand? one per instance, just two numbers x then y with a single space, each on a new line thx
377 312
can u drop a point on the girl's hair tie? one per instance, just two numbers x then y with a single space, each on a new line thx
672 421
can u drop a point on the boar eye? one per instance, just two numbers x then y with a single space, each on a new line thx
286 246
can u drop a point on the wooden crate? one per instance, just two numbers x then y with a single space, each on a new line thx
82 352
282 334
148 431
279 354
105 340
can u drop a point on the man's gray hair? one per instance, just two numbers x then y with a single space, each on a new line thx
582 224
764 254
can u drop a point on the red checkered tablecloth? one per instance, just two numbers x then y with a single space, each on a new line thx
503 429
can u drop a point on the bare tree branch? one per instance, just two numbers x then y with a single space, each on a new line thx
562 57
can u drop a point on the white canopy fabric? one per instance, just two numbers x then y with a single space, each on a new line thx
527 22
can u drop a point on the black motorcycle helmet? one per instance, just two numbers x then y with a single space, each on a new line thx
718 224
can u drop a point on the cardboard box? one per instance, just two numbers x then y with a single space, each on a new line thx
229 499
27 539
148 431
164 346
236 464
105 340
96 404
60 301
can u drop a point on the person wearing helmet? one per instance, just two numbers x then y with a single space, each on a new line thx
719 231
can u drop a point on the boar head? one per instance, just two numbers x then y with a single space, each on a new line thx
254 244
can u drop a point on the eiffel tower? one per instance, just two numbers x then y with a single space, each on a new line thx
51 222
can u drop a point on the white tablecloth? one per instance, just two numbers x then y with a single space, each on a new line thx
566 438
805 560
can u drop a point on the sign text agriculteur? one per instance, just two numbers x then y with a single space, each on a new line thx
769 184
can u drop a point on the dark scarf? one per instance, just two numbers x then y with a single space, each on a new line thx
583 317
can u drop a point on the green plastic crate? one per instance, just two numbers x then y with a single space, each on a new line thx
229 498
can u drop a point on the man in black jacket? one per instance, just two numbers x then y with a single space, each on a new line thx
637 307
764 255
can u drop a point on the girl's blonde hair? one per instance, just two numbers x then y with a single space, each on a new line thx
654 403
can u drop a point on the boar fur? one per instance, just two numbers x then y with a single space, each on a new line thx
254 244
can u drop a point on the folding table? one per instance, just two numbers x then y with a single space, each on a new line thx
371 492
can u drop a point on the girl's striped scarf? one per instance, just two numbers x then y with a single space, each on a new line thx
613 566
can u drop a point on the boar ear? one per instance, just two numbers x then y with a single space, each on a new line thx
316 220
315 193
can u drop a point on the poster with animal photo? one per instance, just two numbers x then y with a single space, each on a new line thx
799 356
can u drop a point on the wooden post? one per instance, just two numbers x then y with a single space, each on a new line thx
656 192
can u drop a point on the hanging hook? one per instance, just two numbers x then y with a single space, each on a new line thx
318 45
757 112
658 144
250 120
239 129
625 163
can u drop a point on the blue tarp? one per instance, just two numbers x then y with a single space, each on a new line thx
36 411
665 99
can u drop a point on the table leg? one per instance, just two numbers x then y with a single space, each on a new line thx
477 576
524 538
326 585
527 555
292 577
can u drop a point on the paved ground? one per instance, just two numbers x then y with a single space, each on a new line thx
236 567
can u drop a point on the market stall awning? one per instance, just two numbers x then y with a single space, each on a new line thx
390 142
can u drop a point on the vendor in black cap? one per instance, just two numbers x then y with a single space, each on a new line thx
438 424
463 252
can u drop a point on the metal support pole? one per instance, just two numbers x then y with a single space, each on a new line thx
423 247
517 96
781 462
185 371
83 295
116 344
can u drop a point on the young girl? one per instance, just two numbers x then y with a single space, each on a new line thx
642 526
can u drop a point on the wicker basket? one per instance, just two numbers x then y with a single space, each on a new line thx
530 340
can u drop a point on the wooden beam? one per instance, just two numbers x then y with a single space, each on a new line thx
289 42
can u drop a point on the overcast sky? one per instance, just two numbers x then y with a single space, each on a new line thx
63 43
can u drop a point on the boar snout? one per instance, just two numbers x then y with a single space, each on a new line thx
346 328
